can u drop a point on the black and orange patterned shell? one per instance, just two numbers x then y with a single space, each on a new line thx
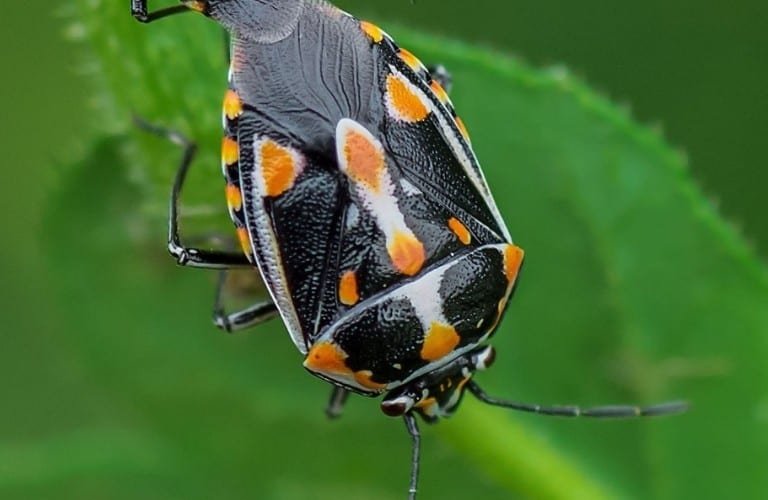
354 189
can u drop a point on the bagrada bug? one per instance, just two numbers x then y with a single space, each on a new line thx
355 191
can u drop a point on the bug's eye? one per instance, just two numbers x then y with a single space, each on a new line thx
397 407
484 358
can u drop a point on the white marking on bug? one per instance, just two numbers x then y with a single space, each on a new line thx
424 296
408 188
353 216
230 75
269 259
381 203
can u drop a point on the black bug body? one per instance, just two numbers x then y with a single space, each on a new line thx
355 191
359 199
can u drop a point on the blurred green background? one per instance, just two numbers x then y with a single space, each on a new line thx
95 404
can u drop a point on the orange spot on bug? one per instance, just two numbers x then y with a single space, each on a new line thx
365 160
403 101
411 60
460 230
426 402
328 358
462 383
348 294
440 340
233 106
245 240
234 197
439 91
374 32
462 128
230 152
513 258
428 406
278 168
407 253
364 378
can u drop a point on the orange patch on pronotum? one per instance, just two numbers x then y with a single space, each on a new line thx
460 230
364 160
348 294
407 253
403 100
233 106
513 258
439 341
230 152
278 168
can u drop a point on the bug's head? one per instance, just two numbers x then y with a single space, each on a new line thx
259 20
438 394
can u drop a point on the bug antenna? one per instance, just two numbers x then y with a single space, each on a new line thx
413 431
627 411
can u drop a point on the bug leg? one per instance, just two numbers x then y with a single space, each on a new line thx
211 259
239 320
413 430
336 402
140 13
439 73
575 411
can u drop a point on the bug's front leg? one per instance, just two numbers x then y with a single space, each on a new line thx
186 256
140 12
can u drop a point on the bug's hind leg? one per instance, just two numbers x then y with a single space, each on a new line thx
240 320
336 402
194 257
441 75
140 12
